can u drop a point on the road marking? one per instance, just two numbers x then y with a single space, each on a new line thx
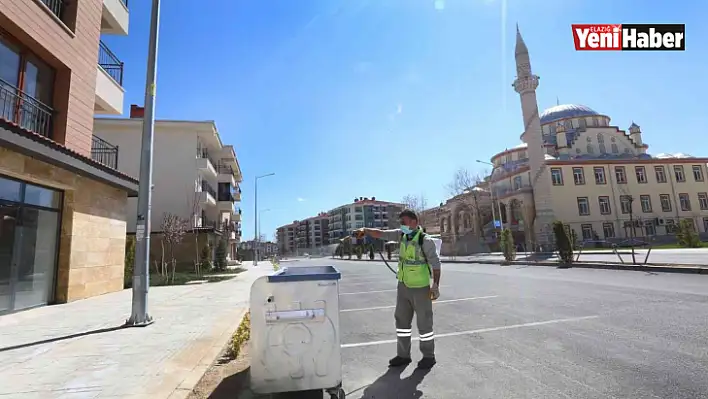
373 292
479 331
434 303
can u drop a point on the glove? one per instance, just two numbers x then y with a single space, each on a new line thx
434 292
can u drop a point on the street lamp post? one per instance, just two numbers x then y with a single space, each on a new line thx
141 269
255 215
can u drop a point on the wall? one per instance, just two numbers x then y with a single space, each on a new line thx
74 55
93 227
174 181
565 196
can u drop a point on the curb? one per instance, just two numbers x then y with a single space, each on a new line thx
656 268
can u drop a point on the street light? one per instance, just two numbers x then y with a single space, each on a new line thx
491 191
255 215
139 316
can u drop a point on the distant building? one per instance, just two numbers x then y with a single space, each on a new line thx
363 212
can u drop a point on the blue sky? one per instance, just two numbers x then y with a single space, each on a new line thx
345 98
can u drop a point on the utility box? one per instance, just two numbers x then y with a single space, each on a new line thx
295 340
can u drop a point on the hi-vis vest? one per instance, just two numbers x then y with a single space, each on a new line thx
413 269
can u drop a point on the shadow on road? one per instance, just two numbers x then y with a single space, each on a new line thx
232 384
62 338
390 385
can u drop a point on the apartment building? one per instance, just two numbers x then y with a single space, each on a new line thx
62 197
266 250
285 237
195 176
312 232
363 212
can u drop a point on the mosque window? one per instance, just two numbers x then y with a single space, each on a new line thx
589 139
615 149
582 123
577 150
594 122
603 149
553 128
613 139
568 124
600 138
591 150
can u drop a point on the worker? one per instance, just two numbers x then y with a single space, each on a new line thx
418 260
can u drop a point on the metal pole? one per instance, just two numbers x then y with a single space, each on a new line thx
141 270
255 224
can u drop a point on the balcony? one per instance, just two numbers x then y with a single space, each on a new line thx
207 194
104 152
25 111
204 162
109 83
226 174
115 17
237 215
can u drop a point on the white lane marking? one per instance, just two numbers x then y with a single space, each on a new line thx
373 292
434 303
481 330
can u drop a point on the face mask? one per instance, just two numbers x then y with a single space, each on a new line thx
406 230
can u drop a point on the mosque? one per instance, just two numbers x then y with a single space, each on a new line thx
573 165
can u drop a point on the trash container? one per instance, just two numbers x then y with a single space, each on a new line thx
295 343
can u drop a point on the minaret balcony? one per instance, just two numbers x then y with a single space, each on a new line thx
525 84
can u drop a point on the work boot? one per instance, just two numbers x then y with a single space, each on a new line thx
426 363
399 361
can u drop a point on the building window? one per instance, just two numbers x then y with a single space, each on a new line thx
645 201
517 182
660 174
665 200
557 176
578 176
599 175
608 229
604 203
590 149
670 226
620 175
26 89
582 124
705 224
587 231
626 203
583 206
641 174
615 149
685 202
703 201
678 172
697 172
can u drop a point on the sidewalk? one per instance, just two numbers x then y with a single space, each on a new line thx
77 350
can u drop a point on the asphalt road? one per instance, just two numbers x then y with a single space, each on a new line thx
532 332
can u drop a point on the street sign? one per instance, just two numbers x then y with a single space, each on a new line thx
497 223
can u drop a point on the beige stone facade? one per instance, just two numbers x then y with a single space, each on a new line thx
92 239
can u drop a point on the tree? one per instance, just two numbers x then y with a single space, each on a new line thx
507 245
129 260
174 229
563 243
466 186
220 256
686 234
418 204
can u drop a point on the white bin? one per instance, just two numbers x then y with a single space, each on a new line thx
295 343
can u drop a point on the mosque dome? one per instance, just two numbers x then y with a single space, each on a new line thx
565 111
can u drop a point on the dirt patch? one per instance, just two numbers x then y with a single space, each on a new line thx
227 378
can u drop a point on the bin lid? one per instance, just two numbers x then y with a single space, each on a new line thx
305 273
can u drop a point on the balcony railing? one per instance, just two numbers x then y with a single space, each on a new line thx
204 153
225 169
209 189
104 152
25 111
110 63
56 6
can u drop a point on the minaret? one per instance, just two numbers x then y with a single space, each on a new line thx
525 84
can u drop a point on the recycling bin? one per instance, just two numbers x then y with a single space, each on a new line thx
295 341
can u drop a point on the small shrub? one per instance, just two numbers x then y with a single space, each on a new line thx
240 337
129 260
220 256
371 252
563 243
359 251
205 257
686 235
507 245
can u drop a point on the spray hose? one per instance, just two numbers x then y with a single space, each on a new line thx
360 236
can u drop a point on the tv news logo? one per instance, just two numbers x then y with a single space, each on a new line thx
612 37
